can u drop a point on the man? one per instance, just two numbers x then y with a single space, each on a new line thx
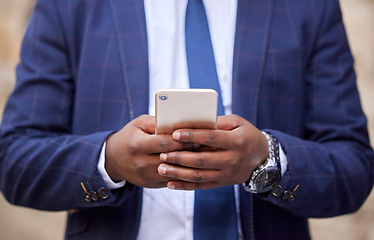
73 137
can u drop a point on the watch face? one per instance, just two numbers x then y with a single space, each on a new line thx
266 179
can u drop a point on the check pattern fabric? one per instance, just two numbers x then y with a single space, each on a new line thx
84 74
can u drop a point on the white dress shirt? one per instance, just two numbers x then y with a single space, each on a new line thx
168 214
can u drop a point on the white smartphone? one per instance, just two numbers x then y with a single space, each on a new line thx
185 108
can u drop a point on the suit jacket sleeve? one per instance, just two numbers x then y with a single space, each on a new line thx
42 163
332 163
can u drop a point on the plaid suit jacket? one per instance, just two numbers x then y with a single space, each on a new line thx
84 74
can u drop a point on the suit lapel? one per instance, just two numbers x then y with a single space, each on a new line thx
251 42
129 22
130 26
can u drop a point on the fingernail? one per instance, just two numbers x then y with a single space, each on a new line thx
163 157
162 170
171 186
176 135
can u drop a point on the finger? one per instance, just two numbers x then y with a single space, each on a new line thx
146 124
165 144
198 160
143 172
181 185
188 174
149 144
157 183
213 138
229 122
144 141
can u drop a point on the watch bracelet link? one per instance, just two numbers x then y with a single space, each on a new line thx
273 158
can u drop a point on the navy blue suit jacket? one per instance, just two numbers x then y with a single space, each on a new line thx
84 74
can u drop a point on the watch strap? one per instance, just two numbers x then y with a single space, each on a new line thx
273 160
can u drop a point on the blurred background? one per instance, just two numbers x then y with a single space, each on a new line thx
17 223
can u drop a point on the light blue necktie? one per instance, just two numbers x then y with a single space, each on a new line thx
215 212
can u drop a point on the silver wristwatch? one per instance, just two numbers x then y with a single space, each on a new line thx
268 174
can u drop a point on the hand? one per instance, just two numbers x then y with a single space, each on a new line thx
132 154
230 155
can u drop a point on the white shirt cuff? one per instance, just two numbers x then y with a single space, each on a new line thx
283 160
101 168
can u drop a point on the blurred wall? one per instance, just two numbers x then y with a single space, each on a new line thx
17 223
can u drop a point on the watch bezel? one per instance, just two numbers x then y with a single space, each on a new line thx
272 163
260 188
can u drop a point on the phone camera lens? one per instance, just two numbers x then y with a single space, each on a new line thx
163 97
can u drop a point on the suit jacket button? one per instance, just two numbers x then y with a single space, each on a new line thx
286 195
87 197
292 196
94 196
277 191
103 193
